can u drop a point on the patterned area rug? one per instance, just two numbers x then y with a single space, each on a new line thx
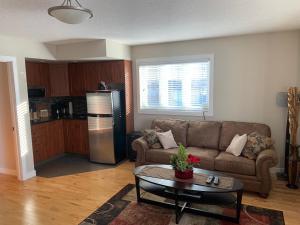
122 209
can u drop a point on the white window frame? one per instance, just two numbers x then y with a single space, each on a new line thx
170 60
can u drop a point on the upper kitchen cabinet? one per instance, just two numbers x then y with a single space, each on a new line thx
59 79
37 74
85 76
91 73
77 79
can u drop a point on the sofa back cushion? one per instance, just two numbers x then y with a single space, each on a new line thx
178 128
204 134
230 129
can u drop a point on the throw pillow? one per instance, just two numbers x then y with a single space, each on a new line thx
151 138
237 144
167 139
255 144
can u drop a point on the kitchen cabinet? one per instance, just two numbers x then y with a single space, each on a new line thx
56 137
86 76
52 76
56 144
77 79
76 136
59 79
39 142
47 140
37 74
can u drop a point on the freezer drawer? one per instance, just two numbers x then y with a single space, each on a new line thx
101 140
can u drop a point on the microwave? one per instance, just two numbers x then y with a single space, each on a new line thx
36 92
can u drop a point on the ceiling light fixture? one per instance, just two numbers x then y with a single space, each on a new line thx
71 12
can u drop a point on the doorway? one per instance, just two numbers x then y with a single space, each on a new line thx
8 145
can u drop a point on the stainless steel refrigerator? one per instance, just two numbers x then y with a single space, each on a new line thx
106 126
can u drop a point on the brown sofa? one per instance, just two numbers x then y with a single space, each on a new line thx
209 140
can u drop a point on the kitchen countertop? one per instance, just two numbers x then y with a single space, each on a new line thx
50 119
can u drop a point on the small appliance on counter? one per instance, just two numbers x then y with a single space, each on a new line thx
35 116
58 110
31 114
44 113
70 108
106 126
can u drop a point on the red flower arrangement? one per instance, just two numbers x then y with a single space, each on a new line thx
193 159
183 163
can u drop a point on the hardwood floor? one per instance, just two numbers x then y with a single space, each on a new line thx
67 200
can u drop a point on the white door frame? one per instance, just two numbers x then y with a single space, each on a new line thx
12 73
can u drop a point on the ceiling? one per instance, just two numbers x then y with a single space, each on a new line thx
150 21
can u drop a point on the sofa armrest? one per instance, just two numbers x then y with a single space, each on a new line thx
140 146
265 160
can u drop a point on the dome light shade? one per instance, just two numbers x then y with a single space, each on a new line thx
70 12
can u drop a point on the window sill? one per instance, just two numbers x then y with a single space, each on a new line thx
174 113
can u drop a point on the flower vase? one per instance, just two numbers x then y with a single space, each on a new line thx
187 174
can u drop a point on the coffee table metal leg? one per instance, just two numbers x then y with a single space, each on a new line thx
239 205
177 208
137 187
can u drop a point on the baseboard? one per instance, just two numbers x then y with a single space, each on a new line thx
276 170
8 171
29 175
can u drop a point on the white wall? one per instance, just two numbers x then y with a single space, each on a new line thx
117 50
249 71
17 49
101 49
84 50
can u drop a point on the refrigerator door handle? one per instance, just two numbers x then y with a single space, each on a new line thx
99 115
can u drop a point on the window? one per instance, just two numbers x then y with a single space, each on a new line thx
177 86
175 93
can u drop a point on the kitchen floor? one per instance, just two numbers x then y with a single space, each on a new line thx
69 164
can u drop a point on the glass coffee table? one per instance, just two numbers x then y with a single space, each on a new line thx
159 180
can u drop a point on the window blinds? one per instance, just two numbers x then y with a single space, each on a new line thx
175 86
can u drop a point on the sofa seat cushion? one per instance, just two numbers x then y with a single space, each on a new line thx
204 134
178 128
227 162
161 156
207 156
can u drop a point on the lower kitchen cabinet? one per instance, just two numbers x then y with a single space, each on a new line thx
47 140
39 142
54 138
76 136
